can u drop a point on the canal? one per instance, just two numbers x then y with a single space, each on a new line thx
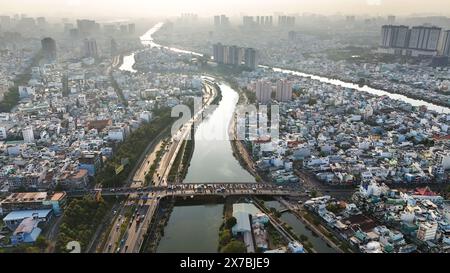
194 228
148 41
213 160
300 229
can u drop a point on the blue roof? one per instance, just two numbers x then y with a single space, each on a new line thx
32 237
22 214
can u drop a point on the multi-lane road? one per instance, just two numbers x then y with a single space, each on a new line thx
177 140
131 241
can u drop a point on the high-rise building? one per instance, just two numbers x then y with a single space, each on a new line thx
74 33
217 20
286 21
28 135
5 21
260 20
109 29
444 44
188 18
284 91
250 58
218 53
391 19
248 21
424 38
90 48
263 91
124 29
67 27
292 35
41 22
225 53
49 48
221 20
86 27
235 55
27 23
394 36
114 49
417 41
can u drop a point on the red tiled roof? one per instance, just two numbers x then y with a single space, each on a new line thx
424 191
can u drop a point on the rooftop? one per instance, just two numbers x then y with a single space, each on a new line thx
25 197
22 214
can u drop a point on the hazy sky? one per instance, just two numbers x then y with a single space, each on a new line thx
231 7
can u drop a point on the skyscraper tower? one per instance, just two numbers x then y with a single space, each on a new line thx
250 58
86 27
49 48
113 47
217 20
263 91
218 53
284 91
90 48
444 44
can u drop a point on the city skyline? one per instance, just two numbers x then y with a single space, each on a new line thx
198 127
116 8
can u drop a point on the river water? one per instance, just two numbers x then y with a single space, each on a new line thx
365 88
300 229
192 229
213 160
127 63
195 228
147 40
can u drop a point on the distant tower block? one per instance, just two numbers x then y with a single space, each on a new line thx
49 48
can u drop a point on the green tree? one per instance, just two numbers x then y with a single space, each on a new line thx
225 237
234 246
303 238
41 243
230 222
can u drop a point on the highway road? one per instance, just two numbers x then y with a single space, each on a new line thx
136 234
177 140
139 178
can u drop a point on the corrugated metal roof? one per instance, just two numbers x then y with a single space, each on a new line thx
22 214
